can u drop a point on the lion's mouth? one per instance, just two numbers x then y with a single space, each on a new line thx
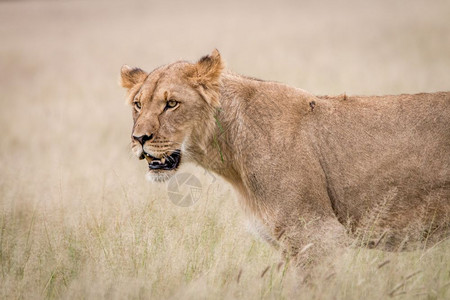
167 162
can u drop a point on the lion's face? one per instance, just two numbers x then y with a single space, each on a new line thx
168 106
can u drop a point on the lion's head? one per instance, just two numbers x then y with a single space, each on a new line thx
173 109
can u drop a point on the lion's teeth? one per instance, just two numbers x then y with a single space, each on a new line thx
163 160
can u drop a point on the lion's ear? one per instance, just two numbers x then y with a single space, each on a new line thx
129 76
205 76
209 68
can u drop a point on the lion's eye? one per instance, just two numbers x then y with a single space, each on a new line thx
171 104
137 105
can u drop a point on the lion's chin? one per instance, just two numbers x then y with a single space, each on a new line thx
161 169
162 176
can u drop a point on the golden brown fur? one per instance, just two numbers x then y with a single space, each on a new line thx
308 169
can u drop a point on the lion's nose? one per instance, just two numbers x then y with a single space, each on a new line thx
143 138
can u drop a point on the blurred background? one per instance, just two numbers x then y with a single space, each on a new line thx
78 218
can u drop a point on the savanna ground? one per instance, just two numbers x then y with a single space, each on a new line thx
77 218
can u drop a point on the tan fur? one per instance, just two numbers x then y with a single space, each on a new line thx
310 169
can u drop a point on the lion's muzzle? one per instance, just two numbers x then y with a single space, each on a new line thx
160 153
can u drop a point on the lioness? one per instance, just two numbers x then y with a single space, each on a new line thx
313 171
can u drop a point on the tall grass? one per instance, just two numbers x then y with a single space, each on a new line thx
77 218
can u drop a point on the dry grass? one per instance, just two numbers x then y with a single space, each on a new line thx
78 220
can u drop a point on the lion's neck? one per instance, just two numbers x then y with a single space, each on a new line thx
218 145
